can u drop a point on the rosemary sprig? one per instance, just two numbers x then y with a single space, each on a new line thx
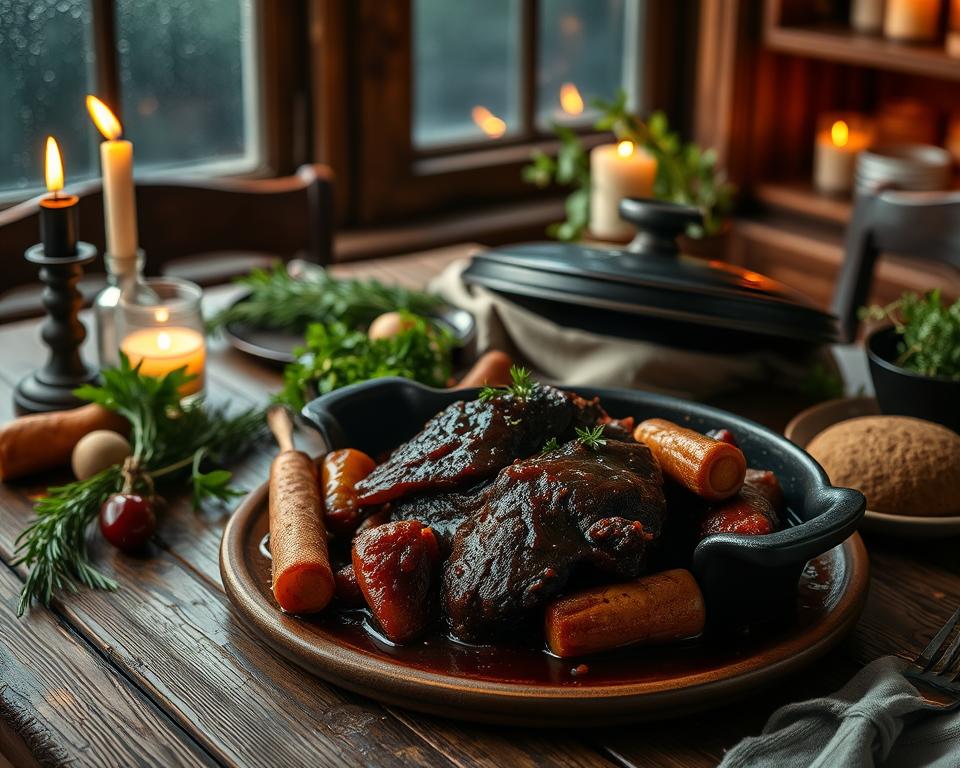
591 438
278 300
523 386
170 441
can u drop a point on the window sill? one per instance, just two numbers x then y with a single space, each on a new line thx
492 225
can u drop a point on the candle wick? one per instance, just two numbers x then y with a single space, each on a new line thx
56 194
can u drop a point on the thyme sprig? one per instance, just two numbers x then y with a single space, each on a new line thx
591 438
523 386
170 441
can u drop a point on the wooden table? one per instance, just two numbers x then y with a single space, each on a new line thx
161 672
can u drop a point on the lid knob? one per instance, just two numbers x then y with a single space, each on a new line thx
659 223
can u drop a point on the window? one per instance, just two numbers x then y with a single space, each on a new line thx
451 97
469 60
182 75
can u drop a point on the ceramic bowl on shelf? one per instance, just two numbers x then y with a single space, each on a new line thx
902 392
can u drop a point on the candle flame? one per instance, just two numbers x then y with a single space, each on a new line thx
163 341
162 315
625 148
839 133
104 119
488 122
53 166
570 99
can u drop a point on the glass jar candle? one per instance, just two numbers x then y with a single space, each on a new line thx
166 333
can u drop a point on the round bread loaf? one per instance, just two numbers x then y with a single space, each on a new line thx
904 466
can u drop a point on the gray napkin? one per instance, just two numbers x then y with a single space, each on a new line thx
877 719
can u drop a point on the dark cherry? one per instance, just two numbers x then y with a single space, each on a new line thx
127 521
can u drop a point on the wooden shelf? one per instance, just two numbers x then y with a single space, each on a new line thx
841 44
800 197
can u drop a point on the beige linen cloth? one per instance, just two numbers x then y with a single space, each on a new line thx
572 357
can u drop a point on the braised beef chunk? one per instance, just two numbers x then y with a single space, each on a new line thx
543 518
471 440
443 511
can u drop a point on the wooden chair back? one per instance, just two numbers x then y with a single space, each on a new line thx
283 217
925 224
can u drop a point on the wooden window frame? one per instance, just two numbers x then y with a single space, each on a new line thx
281 94
362 58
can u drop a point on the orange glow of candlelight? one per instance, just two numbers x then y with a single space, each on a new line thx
625 148
488 122
53 166
104 119
163 341
570 99
839 133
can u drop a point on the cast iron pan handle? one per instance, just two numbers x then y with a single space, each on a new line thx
842 510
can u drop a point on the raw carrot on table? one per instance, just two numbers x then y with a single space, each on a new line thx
712 469
491 369
45 441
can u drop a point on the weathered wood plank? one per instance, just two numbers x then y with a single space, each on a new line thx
65 704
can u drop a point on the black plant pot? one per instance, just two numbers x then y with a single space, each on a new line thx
907 393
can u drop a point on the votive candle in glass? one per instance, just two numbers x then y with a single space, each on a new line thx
840 138
167 334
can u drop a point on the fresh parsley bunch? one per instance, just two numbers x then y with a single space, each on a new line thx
280 301
929 333
335 356
171 442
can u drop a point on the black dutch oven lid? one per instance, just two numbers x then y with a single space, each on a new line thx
650 278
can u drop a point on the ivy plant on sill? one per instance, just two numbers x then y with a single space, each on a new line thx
686 173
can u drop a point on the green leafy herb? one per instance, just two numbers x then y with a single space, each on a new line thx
168 439
591 438
929 333
551 445
686 173
335 356
278 300
523 386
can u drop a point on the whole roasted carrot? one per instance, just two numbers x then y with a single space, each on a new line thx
659 608
709 468
341 471
302 578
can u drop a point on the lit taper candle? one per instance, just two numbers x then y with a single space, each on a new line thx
119 203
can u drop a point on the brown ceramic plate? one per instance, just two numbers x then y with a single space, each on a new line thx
809 423
524 686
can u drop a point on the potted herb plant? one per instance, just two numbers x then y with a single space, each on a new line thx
915 362
686 174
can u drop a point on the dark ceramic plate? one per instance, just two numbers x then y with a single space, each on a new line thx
276 346
817 601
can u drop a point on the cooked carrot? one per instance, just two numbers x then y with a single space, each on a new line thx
302 578
660 608
342 470
492 368
44 441
707 467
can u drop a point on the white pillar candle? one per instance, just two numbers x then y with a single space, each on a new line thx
617 171
835 155
116 163
916 21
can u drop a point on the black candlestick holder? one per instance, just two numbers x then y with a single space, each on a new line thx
51 388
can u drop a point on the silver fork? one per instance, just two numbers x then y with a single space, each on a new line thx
936 671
